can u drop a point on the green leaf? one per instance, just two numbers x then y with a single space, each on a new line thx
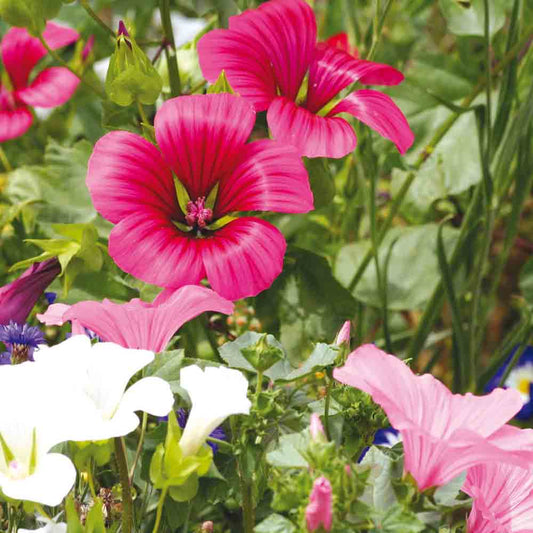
73 521
222 85
186 491
95 522
31 14
275 523
290 452
396 519
166 365
469 19
231 352
322 356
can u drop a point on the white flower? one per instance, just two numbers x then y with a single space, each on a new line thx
50 526
96 377
215 393
31 423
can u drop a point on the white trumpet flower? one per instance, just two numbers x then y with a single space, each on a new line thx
50 526
215 393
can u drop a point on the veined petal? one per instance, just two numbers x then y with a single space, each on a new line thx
378 111
137 324
127 175
49 484
243 258
202 136
312 135
21 52
148 246
15 123
151 395
286 31
51 88
269 176
333 69
247 65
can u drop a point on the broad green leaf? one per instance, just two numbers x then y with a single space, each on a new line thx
469 19
322 356
290 450
396 519
275 523
166 365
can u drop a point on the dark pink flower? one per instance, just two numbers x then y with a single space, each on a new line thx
443 434
319 511
503 499
341 40
138 324
203 141
18 297
270 55
52 87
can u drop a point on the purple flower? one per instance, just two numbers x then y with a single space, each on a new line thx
20 341
18 297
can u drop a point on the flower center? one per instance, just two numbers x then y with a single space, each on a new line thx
523 385
20 353
17 470
198 216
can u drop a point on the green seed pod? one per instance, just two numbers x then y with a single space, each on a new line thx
131 76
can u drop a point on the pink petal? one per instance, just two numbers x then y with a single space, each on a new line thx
312 135
149 247
54 315
51 88
319 510
126 175
342 41
202 136
269 177
286 31
333 69
243 258
139 325
14 123
21 52
246 65
378 111
503 498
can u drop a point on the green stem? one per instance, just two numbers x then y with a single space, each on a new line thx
5 160
97 19
144 118
221 443
248 514
41 510
259 386
185 528
170 49
424 155
90 480
64 64
327 403
159 512
139 446
127 502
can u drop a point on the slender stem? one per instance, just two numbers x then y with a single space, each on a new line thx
426 152
259 385
159 512
64 64
144 118
41 510
97 19
220 443
248 514
170 49
90 480
127 502
187 518
5 160
327 404
139 446
488 82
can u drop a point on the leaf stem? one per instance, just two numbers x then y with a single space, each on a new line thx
5 160
97 19
159 511
127 502
170 49
139 446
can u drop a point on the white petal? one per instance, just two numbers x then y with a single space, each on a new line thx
51 482
152 395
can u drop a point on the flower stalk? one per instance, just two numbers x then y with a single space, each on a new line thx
170 49
127 501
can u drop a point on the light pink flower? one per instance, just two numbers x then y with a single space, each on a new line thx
138 324
18 297
316 428
203 141
268 52
52 87
503 499
443 434
343 337
319 509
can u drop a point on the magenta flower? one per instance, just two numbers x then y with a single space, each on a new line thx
319 510
52 87
342 41
203 141
271 56
18 297
443 434
503 499
138 324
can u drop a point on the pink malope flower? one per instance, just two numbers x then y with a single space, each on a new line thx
319 510
443 434
18 297
271 57
138 324
342 41
203 141
503 499
52 87
316 428
343 336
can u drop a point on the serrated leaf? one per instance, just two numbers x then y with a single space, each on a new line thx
290 451
275 523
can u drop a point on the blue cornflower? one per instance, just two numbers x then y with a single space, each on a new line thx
217 433
50 297
386 437
520 378
20 340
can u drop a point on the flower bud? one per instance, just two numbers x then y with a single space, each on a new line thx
319 510
343 337
317 429
131 76
207 527
263 354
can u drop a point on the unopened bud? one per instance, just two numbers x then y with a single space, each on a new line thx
317 429
207 527
343 337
